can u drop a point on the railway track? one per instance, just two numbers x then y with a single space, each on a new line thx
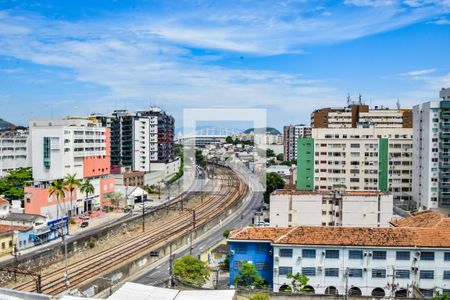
230 191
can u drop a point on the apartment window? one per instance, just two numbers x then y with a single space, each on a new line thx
378 273
309 253
309 271
355 273
426 274
446 274
427 256
332 253
240 248
403 255
380 255
285 270
447 256
355 254
237 265
332 272
285 252
261 248
402 274
261 266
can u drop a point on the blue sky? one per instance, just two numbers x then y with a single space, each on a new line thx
61 58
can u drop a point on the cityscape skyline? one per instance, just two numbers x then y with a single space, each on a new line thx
289 57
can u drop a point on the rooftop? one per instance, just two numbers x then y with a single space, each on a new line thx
22 217
3 201
8 228
409 232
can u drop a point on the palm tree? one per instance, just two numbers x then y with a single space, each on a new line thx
71 184
87 188
57 189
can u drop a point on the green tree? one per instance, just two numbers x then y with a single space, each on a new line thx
259 297
441 297
298 282
270 153
225 265
199 158
249 277
226 233
13 184
273 182
191 270
229 140
286 163
87 188
71 184
57 188
280 157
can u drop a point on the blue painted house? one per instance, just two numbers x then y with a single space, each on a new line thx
257 252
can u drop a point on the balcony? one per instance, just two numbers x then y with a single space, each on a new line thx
444 155
445 114
445 135
444 145
445 125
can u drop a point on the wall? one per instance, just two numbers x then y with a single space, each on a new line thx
304 209
305 164
39 202
259 253
6 238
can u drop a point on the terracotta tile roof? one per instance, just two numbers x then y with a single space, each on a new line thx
421 236
7 228
428 218
3 201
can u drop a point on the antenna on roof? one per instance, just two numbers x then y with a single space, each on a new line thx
398 103
349 99
360 98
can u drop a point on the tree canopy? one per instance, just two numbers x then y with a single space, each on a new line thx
273 182
12 185
298 282
249 277
191 270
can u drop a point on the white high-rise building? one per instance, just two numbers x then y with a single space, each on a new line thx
13 151
431 173
357 159
291 134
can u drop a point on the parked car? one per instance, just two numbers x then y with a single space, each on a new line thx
84 224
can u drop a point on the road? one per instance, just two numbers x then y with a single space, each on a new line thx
159 274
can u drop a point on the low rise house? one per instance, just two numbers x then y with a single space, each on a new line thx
414 254
335 208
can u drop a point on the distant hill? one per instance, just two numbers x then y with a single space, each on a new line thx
5 124
268 130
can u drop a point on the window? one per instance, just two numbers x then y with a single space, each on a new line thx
427 256
285 270
402 274
261 248
426 274
403 255
310 253
355 273
285 252
332 254
261 266
237 265
355 254
240 248
446 274
309 271
378 273
379 255
447 256
332 272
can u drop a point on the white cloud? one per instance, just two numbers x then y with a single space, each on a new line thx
370 3
416 73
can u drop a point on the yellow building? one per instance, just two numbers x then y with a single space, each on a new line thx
6 240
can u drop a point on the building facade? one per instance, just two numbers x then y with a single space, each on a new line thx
431 173
79 147
290 208
357 159
379 262
291 134
13 151
361 115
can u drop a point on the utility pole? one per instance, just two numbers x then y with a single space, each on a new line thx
171 282
66 274
144 197
36 276
346 283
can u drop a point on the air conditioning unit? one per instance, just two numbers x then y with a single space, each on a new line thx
319 269
299 257
323 252
365 269
277 257
418 253
370 254
275 270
